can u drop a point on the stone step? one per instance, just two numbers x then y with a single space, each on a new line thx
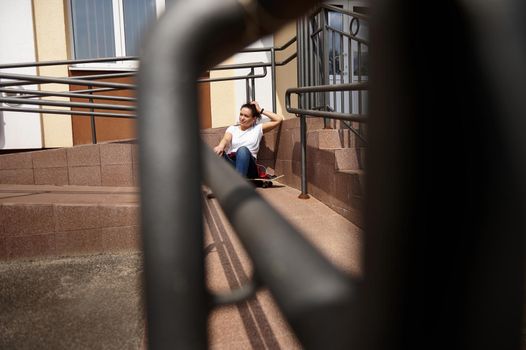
52 221
333 138
357 179
105 164
349 158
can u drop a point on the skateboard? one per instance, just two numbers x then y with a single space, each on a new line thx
265 182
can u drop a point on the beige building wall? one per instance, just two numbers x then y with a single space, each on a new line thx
287 75
225 102
223 97
51 44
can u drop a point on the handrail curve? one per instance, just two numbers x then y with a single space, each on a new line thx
179 48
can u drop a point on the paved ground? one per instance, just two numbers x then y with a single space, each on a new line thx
95 302
72 303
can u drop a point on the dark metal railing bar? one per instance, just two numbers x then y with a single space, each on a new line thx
37 93
33 79
310 113
247 90
326 53
253 64
350 36
302 60
303 144
303 113
106 75
343 11
239 77
64 62
334 67
294 275
273 77
359 77
354 131
66 112
128 58
92 122
269 48
42 102
253 85
341 63
347 123
316 32
127 86
287 60
324 88
351 72
171 211
311 62
97 90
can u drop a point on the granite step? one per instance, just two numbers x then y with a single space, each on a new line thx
104 164
350 158
333 138
358 178
53 221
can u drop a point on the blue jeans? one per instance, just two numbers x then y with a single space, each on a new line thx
244 162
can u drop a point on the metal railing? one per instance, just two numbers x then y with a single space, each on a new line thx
12 94
333 50
314 296
331 73
304 113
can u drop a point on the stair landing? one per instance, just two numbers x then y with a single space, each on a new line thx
93 300
47 221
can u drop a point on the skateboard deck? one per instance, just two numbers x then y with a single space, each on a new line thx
264 182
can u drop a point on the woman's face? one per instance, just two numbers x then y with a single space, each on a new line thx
246 119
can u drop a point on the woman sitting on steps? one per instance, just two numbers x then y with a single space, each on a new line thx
240 144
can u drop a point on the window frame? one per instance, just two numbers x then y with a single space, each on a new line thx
119 37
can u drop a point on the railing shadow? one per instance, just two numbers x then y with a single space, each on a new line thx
255 321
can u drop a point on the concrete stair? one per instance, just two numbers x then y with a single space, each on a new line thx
69 201
52 221
54 237
337 176
105 164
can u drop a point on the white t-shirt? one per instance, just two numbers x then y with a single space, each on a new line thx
249 138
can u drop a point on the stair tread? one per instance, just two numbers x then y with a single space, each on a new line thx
84 195
352 171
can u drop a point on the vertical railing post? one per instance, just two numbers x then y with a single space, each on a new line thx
326 81
92 119
253 85
303 137
247 89
273 75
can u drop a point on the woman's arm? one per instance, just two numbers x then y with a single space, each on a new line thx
275 119
223 144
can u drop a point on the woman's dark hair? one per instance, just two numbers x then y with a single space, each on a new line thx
252 109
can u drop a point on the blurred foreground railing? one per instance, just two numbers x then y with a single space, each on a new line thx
314 296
